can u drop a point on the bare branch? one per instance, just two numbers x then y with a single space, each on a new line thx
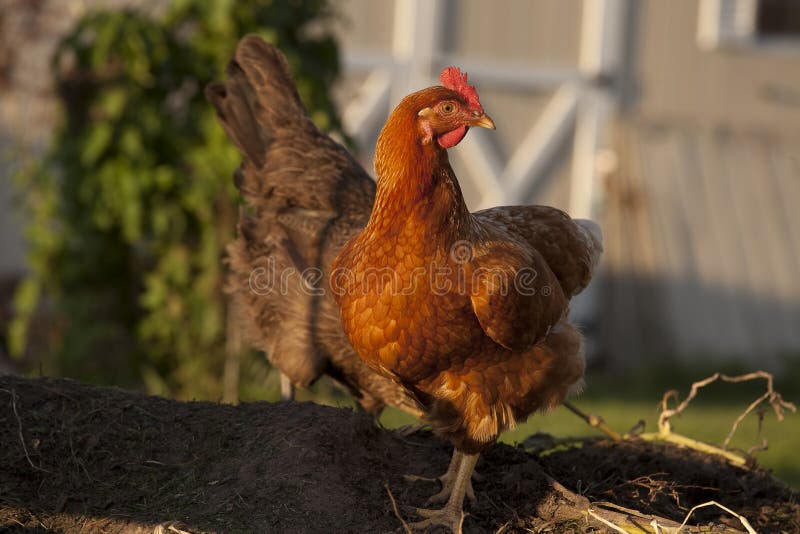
745 523
594 421
774 398
619 518
697 445
753 405
606 522
756 448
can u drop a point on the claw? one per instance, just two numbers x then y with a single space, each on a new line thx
447 489
448 481
457 485
450 517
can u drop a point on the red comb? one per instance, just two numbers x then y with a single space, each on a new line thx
453 78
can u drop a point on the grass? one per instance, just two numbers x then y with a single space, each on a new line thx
622 402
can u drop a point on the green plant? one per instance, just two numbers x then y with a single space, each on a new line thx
131 207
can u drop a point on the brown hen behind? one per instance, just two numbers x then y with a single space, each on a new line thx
305 197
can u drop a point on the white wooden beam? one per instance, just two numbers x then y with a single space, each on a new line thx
415 42
601 37
510 74
363 116
726 22
601 52
366 60
592 121
538 148
600 59
507 74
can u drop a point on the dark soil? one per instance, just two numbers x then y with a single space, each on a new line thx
107 460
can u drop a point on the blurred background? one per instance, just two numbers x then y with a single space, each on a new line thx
676 125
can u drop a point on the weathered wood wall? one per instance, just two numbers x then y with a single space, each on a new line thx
703 244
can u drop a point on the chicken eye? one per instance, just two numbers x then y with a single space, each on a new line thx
448 108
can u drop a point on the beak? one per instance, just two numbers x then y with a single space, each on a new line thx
483 121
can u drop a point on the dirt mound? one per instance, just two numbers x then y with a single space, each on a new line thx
106 460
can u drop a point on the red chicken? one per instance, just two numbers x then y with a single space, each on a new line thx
467 311
305 197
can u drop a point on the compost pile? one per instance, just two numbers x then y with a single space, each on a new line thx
77 458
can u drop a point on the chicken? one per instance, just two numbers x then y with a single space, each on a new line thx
305 197
467 311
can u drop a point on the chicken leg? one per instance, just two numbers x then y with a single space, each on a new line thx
452 515
448 481
287 388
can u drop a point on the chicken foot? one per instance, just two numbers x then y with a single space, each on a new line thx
452 515
447 481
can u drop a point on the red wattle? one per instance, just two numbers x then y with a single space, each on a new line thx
453 137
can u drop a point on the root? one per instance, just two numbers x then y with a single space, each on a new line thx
679 439
745 523
169 528
627 521
624 520
666 434
774 398
406 528
19 431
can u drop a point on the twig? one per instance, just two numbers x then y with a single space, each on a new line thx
606 522
656 526
164 528
756 448
679 439
177 530
396 511
594 421
744 414
745 523
619 518
636 513
666 434
634 522
638 428
776 401
19 430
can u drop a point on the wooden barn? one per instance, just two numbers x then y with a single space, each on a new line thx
674 124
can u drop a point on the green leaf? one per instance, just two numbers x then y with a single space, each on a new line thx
113 102
96 143
26 299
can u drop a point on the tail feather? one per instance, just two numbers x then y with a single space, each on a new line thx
287 161
258 99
